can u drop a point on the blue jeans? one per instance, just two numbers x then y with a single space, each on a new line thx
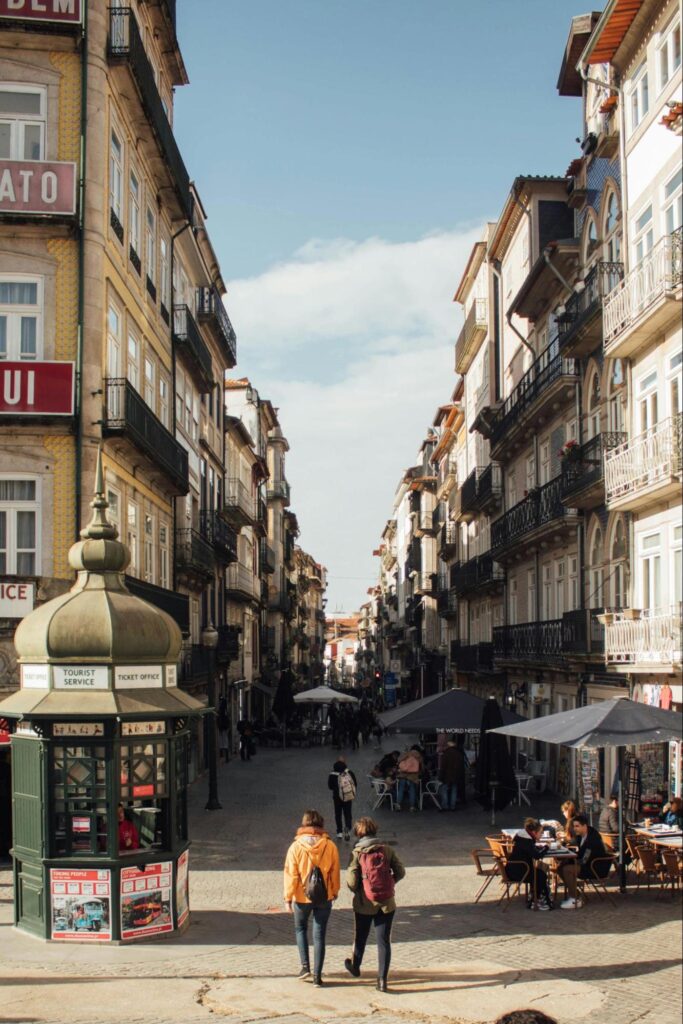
448 796
321 915
406 786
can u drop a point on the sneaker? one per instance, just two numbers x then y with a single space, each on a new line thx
571 904
304 973
340 835
412 809
317 981
543 905
346 836
351 967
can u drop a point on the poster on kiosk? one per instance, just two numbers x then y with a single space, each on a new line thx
81 904
146 900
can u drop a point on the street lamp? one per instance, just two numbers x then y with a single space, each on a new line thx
209 643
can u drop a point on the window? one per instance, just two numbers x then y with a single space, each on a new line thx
164 576
573 583
643 235
612 232
150 390
80 800
545 462
595 599
116 176
133 362
559 589
618 566
114 513
530 472
651 571
675 389
149 548
593 424
132 536
531 595
22 122
677 565
512 488
590 238
673 202
134 213
164 399
640 99
547 609
647 401
669 53
163 274
19 505
151 251
20 319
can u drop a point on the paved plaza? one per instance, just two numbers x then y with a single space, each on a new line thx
453 961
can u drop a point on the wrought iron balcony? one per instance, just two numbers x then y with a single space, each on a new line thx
644 638
189 342
278 490
267 556
447 599
193 555
448 539
583 484
489 487
650 464
228 647
468 497
474 657
130 420
239 504
529 519
464 576
646 300
242 583
211 311
216 532
583 633
471 335
194 664
528 640
261 523
125 45
580 327
479 571
540 388
488 571
175 605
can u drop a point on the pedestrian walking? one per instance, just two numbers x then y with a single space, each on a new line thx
311 884
342 783
246 740
448 776
223 723
371 876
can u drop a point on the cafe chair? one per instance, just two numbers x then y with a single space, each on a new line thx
504 865
430 790
610 840
672 870
600 870
524 783
380 791
487 873
648 867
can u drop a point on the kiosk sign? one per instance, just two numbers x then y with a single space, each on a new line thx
138 677
80 677
67 12
16 600
80 902
146 900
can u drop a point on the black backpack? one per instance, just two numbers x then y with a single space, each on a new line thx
314 886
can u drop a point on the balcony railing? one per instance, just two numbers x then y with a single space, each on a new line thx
489 486
448 539
216 532
447 474
188 339
278 490
193 554
468 494
582 632
125 43
240 504
659 273
211 310
426 584
240 579
267 557
464 576
548 368
474 657
528 640
473 330
543 505
228 648
648 461
583 467
126 414
653 639
579 328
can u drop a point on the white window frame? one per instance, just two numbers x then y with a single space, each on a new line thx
643 235
669 51
133 362
14 312
151 244
531 584
133 536
647 408
164 398
134 205
672 203
650 566
148 547
573 592
149 381
116 166
114 512
638 97
677 564
560 595
163 535
11 508
163 274
19 122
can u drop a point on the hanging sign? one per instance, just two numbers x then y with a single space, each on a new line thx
138 677
80 677
66 12
80 904
16 600
78 729
36 389
37 187
146 900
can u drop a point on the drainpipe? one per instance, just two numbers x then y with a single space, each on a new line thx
179 232
78 460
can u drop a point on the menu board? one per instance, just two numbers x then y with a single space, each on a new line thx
81 904
182 895
146 895
589 779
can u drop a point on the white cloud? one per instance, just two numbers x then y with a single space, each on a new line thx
353 341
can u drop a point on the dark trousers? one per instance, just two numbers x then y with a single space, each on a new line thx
344 808
361 930
245 748
321 915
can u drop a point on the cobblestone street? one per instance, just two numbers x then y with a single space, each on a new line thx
453 961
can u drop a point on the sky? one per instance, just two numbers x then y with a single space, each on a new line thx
348 154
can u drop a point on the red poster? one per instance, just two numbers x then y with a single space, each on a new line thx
36 186
146 900
81 904
37 389
182 896
67 12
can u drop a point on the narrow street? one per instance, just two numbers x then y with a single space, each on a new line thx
453 961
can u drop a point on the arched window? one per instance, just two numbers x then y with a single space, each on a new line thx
590 239
618 566
612 231
595 595
617 397
593 426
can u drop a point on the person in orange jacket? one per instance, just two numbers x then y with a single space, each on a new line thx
311 885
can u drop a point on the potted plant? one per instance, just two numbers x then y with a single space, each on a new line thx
569 450
632 613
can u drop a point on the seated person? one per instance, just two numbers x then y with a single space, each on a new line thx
672 813
387 766
609 816
526 852
590 848
128 834
569 811
410 769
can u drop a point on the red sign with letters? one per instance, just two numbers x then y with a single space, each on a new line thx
37 389
37 186
67 11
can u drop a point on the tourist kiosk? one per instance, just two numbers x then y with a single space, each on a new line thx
100 752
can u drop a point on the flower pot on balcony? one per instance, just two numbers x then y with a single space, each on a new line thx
605 618
632 613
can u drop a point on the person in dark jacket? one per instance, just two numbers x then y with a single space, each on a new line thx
524 864
343 808
590 848
448 775
609 817
672 813
387 767
366 911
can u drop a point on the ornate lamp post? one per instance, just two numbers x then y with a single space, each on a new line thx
209 643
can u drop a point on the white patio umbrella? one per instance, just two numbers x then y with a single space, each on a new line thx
324 695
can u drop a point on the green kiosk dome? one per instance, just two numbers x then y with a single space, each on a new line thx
100 756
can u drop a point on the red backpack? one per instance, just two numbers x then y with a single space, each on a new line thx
378 881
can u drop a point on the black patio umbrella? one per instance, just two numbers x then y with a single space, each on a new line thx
495 781
618 722
454 711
